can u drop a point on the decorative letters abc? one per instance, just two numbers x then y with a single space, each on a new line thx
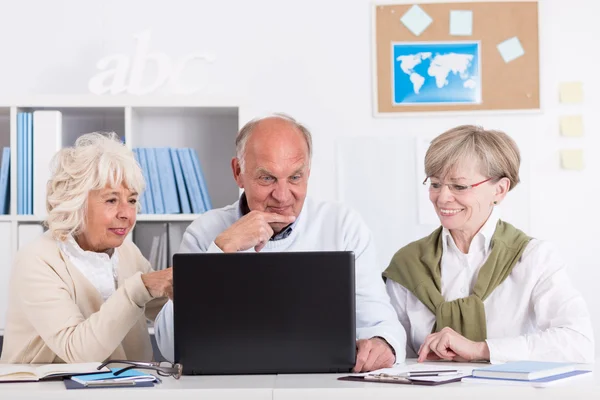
113 76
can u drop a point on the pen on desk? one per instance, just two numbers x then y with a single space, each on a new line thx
432 373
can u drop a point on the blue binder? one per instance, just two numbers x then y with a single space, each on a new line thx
148 191
167 180
20 163
5 182
190 181
159 205
184 200
201 180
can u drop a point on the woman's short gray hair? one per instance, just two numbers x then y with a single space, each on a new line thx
244 133
497 153
97 160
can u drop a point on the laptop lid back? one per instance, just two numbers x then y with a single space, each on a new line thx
264 313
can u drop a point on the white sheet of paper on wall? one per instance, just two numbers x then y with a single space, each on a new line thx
427 215
511 49
571 92
416 20
461 23
571 159
571 125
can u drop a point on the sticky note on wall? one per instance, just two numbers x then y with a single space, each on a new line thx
416 20
571 159
461 22
571 125
511 49
571 92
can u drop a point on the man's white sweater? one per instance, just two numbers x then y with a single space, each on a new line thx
321 226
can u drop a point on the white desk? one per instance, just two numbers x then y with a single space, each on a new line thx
302 387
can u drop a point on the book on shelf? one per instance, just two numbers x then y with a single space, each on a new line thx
47 129
175 182
148 205
5 181
156 190
184 200
191 182
200 179
33 373
166 177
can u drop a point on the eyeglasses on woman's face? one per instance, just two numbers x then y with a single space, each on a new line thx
456 188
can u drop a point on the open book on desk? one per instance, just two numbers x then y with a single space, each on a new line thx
41 372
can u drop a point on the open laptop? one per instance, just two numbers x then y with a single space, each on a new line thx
264 313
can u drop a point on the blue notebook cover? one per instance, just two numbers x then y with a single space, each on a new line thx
524 370
5 181
184 200
542 382
110 375
167 180
71 384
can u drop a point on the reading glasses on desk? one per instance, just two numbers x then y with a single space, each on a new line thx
163 368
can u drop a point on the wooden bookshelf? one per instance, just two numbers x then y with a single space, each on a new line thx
207 126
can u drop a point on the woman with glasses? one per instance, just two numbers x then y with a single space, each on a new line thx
478 288
81 292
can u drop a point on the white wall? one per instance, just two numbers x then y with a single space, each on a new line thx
312 59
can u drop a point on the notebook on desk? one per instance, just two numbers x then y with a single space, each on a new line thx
34 373
264 313
540 383
524 370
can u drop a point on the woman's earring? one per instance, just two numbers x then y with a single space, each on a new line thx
495 203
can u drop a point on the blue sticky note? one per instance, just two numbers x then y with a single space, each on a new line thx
461 23
511 49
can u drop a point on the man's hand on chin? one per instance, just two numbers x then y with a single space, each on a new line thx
372 354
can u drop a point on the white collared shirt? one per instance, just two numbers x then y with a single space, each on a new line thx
535 314
99 268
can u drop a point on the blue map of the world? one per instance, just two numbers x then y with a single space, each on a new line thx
441 73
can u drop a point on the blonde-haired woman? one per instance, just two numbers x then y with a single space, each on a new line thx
81 292
478 288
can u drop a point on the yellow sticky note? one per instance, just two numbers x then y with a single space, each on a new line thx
571 125
571 159
571 92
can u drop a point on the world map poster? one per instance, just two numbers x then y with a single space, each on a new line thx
436 73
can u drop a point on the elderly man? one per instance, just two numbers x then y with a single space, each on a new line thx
272 165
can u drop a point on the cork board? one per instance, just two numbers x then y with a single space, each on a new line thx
502 85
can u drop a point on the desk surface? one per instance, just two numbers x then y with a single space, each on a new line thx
306 386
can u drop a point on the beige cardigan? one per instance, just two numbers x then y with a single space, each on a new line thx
56 315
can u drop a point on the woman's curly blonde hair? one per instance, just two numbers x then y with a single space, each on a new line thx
97 160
